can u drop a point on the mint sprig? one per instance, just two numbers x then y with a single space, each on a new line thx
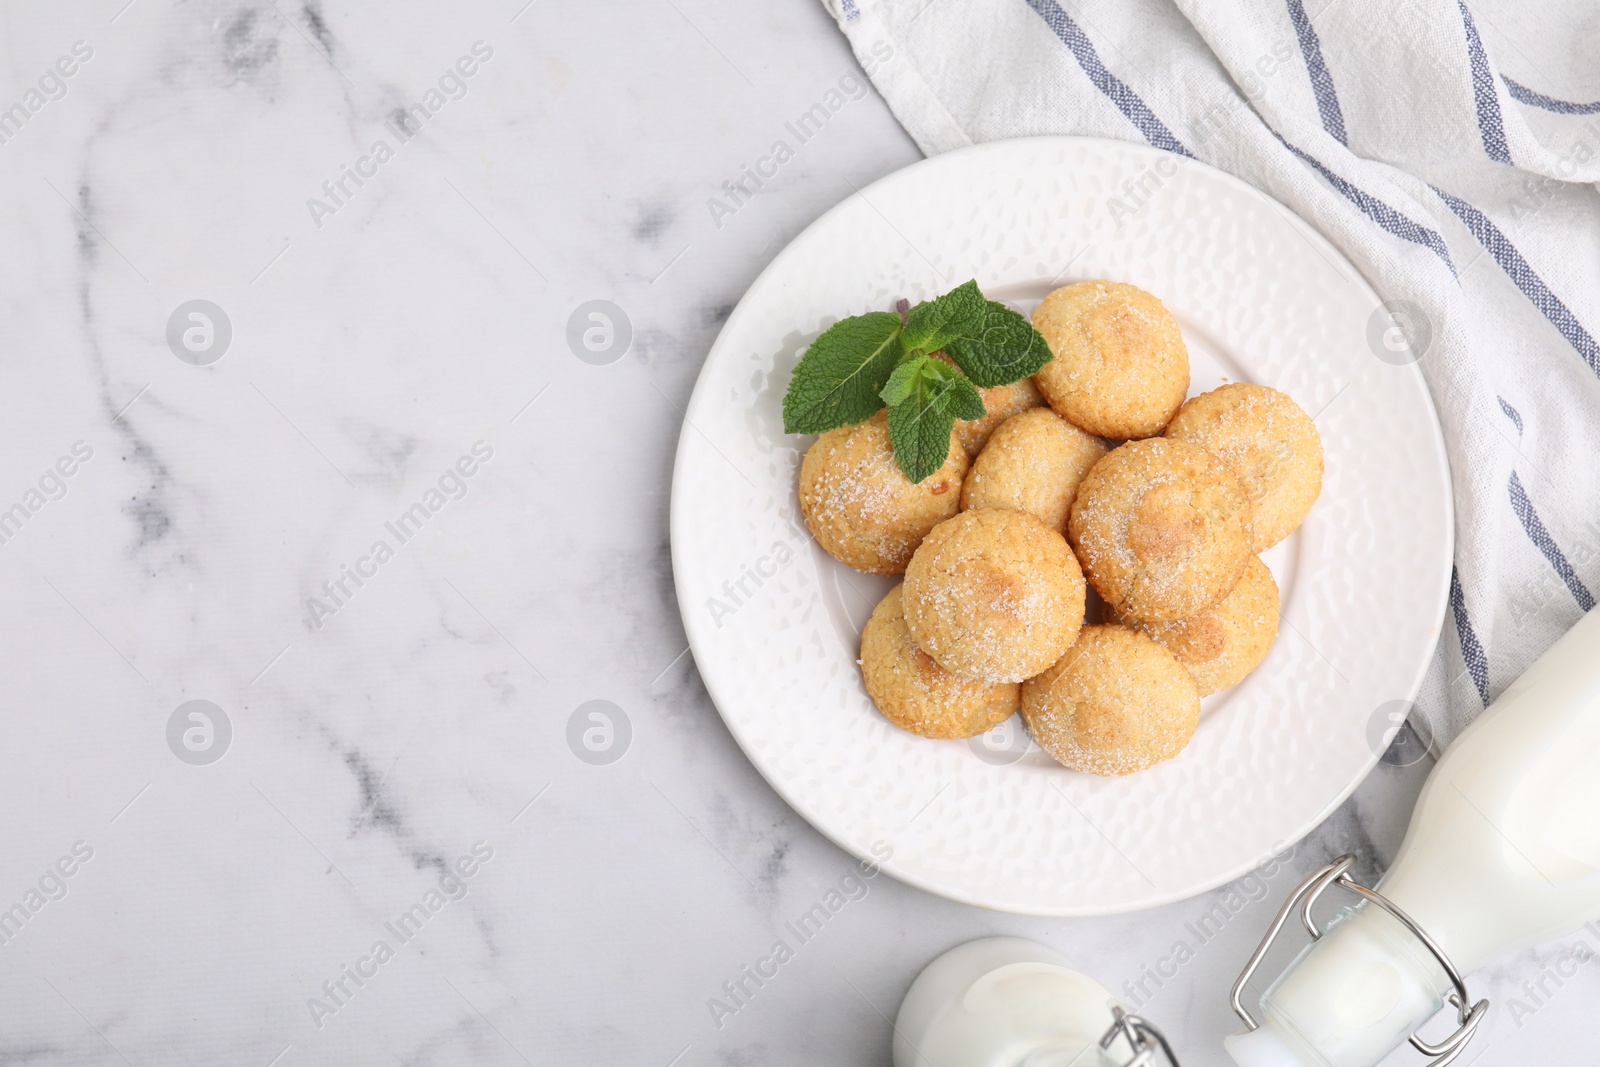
881 359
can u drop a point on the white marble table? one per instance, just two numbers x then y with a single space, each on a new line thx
400 857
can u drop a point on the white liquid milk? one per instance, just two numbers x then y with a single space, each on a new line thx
1503 852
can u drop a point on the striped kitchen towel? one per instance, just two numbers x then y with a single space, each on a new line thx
1451 152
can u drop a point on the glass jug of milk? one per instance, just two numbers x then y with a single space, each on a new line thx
1503 852
1006 1002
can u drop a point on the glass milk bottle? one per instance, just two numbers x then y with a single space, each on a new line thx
1503 852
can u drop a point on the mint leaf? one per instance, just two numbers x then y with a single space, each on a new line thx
928 397
906 378
837 381
934 323
997 346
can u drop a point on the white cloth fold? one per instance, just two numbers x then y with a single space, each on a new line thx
1450 152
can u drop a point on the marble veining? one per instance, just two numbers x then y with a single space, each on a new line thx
507 691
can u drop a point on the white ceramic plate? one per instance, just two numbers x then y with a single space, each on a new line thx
1261 297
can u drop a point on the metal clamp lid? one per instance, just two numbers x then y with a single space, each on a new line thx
1143 1038
1306 895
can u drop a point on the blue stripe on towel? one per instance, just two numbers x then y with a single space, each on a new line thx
1317 69
1376 209
1127 101
1546 544
1532 286
1484 93
1471 651
1511 413
1524 95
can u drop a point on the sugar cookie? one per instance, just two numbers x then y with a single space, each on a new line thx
1116 703
994 594
917 694
1032 463
1272 444
861 507
1226 641
1120 369
1162 529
